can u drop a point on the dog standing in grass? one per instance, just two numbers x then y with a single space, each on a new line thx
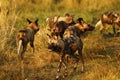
69 44
81 27
110 18
68 19
25 36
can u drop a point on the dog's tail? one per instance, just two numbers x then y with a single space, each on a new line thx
20 46
98 24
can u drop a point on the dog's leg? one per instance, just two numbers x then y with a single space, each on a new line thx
64 64
32 45
75 66
102 27
82 60
59 66
23 51
114 31
77 60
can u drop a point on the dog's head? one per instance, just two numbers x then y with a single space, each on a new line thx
33 25
84 26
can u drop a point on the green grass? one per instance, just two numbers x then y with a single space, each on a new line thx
101 53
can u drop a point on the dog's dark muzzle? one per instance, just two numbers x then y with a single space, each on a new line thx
91 28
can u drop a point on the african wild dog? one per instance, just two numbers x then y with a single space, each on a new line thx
25 36
82 26
68 19
69 44
110 18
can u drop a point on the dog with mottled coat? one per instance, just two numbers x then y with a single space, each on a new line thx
25 36
110 18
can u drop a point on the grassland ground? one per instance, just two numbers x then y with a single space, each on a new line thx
101 55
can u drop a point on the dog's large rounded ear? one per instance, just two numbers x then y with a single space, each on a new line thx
29 21
79 20
36 20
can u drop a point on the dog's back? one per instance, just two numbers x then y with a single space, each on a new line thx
53 20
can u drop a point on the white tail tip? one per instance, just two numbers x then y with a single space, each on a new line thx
19 46
98 23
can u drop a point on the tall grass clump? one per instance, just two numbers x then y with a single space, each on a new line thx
8 16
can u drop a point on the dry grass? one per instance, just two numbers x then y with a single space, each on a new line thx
101 53
8 16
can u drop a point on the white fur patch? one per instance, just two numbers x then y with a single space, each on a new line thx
98 23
